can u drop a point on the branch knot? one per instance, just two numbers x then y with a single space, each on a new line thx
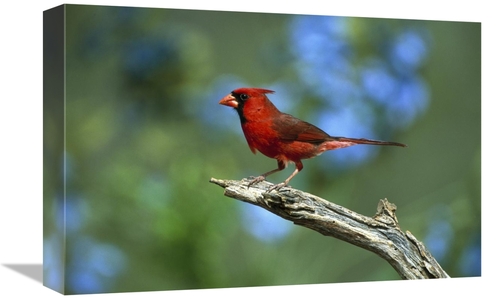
386 213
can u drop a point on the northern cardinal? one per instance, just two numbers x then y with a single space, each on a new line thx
282 136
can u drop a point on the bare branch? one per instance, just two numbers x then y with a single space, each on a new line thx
380 234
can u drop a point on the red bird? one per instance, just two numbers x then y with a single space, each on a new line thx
282 136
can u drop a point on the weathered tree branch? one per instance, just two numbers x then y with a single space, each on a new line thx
380 234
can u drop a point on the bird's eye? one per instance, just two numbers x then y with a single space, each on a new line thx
243 97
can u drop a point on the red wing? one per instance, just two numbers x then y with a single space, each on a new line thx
290 128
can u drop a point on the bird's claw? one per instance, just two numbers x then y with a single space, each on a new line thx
260 178
256 180
277 187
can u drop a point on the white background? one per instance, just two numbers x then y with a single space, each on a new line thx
21 142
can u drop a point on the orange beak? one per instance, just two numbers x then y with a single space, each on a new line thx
229 100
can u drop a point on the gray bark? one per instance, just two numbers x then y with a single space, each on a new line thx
380 234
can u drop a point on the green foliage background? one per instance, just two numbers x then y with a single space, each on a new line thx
140 214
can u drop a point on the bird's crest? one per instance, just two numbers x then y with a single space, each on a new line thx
252 91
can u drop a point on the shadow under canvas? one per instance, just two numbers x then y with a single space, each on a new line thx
33 271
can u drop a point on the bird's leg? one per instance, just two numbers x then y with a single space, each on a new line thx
298 167
260 178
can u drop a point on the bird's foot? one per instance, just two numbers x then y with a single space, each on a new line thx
277 187
256 180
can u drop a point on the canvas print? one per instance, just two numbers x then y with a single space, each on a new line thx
192 149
